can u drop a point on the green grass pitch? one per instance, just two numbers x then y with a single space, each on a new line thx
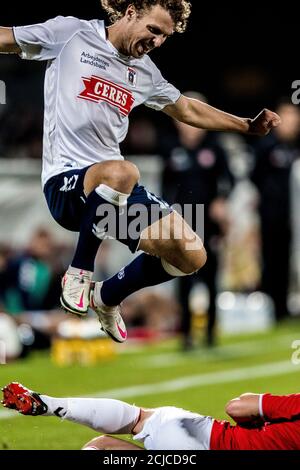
153 375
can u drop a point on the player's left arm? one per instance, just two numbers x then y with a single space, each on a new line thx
199 114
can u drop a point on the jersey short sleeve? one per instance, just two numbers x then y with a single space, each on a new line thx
44 41
162 93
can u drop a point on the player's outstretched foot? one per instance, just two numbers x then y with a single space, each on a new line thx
20 398
109 317
76 291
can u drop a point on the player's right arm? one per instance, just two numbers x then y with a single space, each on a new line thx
8 43
42 41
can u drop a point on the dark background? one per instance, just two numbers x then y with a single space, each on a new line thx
243 57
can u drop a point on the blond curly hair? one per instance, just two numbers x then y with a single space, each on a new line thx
179 10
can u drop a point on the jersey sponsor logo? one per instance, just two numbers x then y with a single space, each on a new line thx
94 59
97 89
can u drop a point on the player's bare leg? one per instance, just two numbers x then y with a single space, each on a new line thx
171 249
119 175
109 182
173 240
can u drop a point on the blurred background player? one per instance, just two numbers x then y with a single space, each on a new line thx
30 279
197 172
264 421
83 170
274 159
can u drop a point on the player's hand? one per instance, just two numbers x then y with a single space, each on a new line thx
263 123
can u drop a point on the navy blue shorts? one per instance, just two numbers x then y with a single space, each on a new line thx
66 201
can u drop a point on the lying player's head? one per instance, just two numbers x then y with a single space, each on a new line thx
146 24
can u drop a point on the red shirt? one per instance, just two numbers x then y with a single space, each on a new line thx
272 435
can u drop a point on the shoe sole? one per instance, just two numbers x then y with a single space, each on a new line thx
14 400
9 397
69 309
17 402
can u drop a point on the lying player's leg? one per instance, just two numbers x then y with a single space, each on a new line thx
161 428
101 414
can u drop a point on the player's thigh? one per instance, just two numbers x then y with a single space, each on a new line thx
66 199
120 175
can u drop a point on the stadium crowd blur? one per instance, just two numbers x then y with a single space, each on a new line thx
197 168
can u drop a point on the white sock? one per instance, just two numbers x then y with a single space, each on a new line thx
101 414
97 294
56 406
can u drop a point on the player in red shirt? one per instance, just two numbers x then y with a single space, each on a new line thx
263 421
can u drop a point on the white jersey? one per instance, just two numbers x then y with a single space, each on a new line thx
89 91
171 428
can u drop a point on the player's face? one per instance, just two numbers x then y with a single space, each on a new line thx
148 31
290 122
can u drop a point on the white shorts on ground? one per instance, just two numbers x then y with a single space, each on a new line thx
171 428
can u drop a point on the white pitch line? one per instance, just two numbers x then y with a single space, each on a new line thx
246 349
5 414
200 380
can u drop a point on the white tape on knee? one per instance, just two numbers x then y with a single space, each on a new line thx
111 195
172 270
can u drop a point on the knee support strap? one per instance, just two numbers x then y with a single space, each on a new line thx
111 195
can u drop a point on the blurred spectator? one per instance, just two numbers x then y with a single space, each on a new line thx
30 281
196 172
142 136
10 343
274 157
21 132
151 314
102 270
